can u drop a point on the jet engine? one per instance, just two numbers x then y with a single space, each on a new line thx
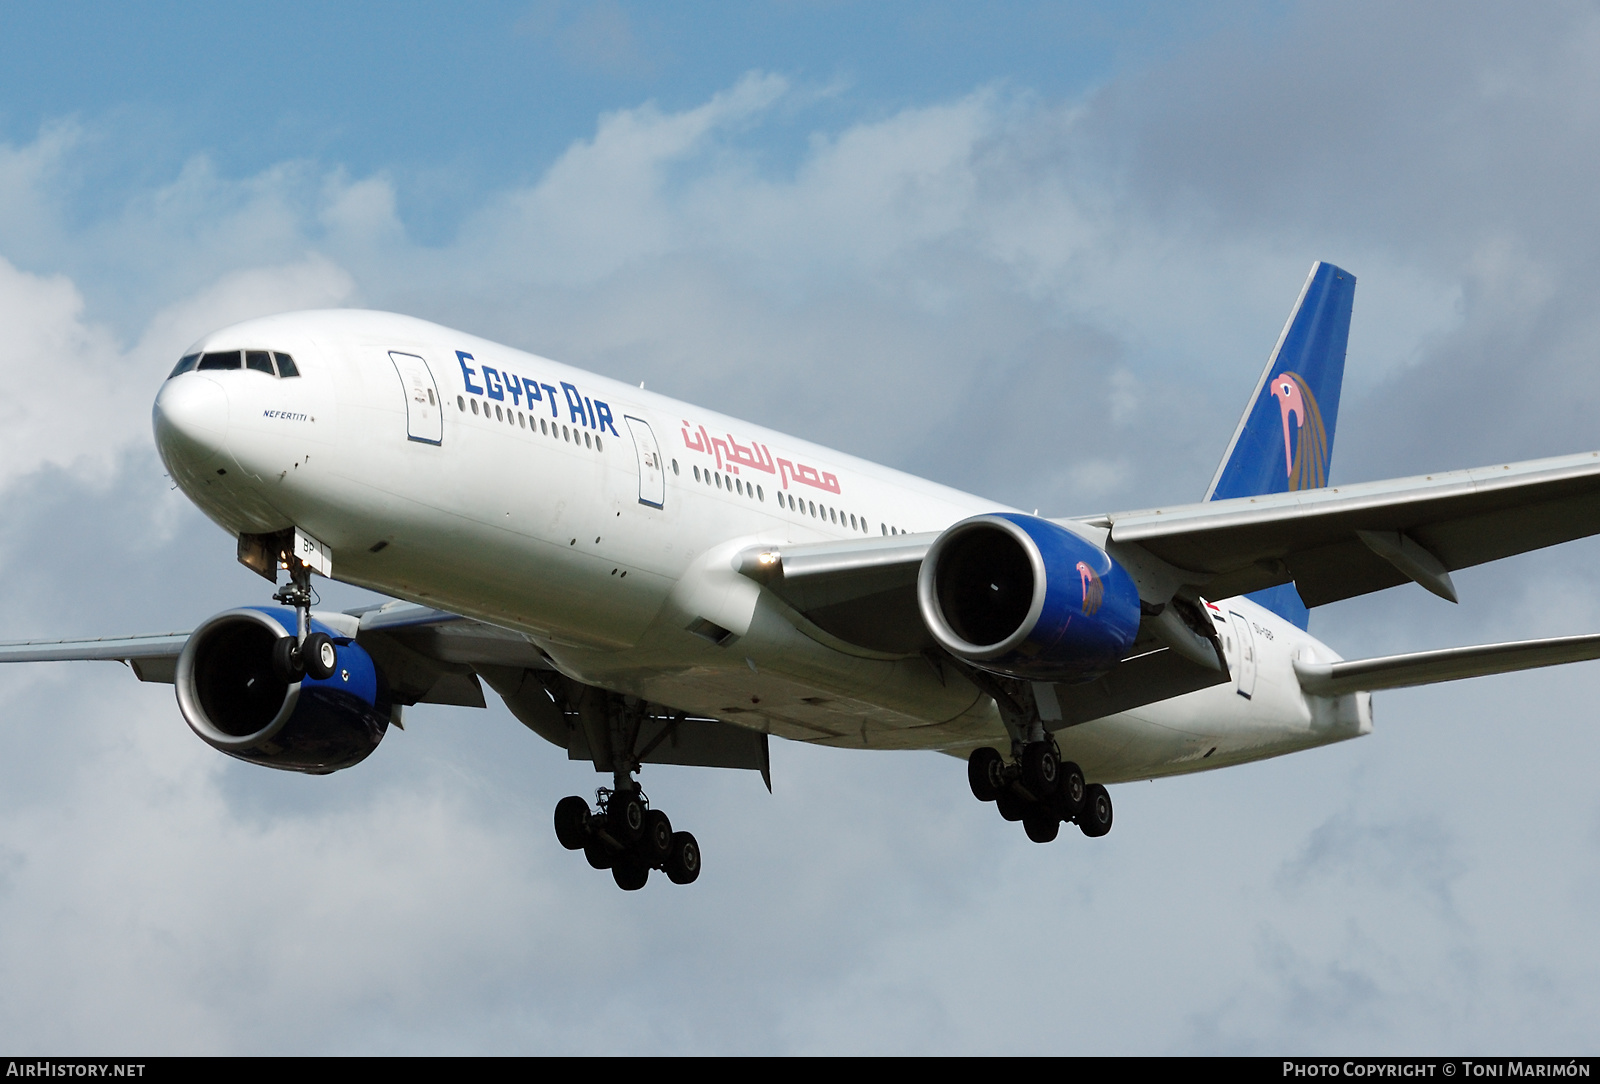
236 700
1021 596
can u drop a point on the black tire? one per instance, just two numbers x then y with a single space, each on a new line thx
1070 790
1095 818
319 656
598 854
683 864
1041 769
625 817
1042 825
286 660
1011 807
655 839
986 774
572 823
630 874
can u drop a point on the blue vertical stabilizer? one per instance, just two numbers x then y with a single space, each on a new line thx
1285 439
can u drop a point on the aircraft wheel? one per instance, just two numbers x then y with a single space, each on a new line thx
683 864
1011 807
655 840
625 816
319 656
1095 819
598 854
572 822
1042 825
1041 769
1070 789
630 874
286 660
986 774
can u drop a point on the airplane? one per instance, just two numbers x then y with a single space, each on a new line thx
643 581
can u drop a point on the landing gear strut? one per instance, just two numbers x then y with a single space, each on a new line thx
622 832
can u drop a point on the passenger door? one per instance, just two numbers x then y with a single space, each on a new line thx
652 478
424 418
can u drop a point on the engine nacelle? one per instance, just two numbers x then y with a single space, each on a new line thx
1021 596
233 699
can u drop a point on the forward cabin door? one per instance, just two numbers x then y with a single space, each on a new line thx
652 479
1247 654
424 418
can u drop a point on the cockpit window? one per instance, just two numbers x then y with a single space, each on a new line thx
259 360
228 359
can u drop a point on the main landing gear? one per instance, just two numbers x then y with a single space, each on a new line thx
1040 790
627 837
623 833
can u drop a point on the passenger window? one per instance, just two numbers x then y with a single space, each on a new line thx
461 404
587 442
522 421
542 428
227 359
187 362
674 467
474 406
761 494
260 361
598 446
286 365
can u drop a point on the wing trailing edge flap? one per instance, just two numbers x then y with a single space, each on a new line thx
1444 664
575 718
1342 541
1134 682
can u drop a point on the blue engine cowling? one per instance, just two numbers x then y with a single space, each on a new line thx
1021 596
233 699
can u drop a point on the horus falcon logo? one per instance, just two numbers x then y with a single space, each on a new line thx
1093 589
1305 460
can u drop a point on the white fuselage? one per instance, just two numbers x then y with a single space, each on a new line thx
601 520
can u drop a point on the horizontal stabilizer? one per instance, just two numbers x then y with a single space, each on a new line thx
1446 664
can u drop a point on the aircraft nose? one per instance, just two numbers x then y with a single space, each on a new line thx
191 422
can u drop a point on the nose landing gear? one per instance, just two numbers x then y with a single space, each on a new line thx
1040 790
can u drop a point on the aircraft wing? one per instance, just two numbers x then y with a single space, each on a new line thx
153 658
1445 664
432 656
1341 541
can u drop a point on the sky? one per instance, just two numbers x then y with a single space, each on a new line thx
1039 252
